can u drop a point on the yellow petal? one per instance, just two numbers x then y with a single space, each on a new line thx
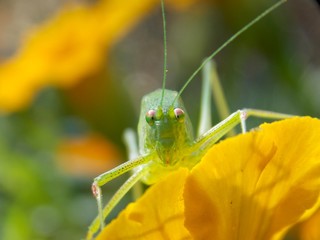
256 185
310 230
158 214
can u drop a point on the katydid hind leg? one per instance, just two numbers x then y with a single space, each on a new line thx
219 96
211 82
205 122
131 143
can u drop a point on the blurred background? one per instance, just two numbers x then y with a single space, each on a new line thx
72 74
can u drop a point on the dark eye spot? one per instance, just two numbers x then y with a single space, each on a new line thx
179 114
150 117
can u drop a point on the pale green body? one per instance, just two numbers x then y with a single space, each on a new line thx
169 138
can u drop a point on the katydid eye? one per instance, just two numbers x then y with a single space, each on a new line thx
179 114
151 117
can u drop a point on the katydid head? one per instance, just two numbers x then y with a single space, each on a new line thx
164 128
155 117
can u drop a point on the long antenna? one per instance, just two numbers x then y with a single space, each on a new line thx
231 39
165 51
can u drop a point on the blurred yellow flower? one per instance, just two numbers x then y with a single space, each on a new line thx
253 186
68 48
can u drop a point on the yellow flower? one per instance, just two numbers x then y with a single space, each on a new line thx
65 50
70 47
87 155
253 186
260 183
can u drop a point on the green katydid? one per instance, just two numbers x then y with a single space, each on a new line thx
166 140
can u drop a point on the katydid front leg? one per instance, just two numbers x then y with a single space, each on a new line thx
113 173
104 212
208 139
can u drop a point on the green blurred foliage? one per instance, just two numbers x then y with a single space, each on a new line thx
274 66
37 200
